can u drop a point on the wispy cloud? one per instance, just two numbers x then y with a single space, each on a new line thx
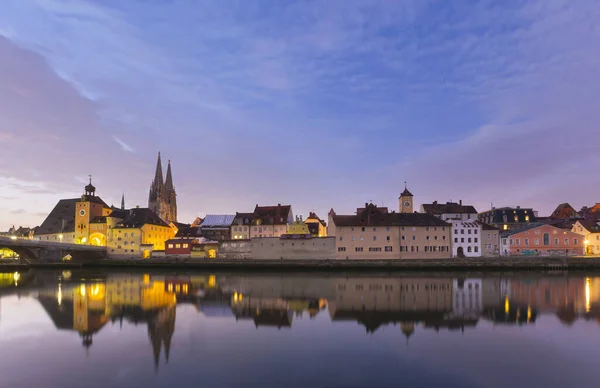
124 146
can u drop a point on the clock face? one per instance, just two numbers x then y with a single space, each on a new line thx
407 204
82 212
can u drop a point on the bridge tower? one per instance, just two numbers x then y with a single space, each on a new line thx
86 209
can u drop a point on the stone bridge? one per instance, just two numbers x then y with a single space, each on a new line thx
34 251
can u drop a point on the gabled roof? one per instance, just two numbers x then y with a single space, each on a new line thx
448 208
406 193
61 219
590 225
217 220
98 220
316 217
564 210
273 215
138 217
371 215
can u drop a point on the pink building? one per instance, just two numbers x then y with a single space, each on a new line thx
541 240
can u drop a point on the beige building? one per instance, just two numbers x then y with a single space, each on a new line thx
375 233
591 232
271 221
240 228
490 240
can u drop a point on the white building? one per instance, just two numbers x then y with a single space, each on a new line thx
466 238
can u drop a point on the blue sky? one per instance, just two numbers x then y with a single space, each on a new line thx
319 104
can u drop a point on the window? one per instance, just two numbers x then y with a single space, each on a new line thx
361 238
469 231
475 231
455 231
566 241
510 242
387 229
456 239
358 249
125 234
353 238
555 241
536 241
388 238
526 241
462 239
435 237
125 243
341 238
177 246
546 239
414 237
537 232
388 248
376 249
374 238
170 245
462 231
575 241
362 229
187 245
469 249
476 249
469 240
427 228
517 241
341 249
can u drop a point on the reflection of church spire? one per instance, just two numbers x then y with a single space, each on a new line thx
160 331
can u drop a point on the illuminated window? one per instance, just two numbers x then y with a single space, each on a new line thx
536 241
186 245
566 241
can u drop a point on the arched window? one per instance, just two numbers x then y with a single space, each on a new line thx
546 239
468 249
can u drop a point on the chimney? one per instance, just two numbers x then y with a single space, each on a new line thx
434 203
279 205
460 202
518 207
366 205
300 218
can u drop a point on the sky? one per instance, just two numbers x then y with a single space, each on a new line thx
317 104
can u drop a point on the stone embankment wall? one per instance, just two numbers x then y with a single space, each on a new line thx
274 248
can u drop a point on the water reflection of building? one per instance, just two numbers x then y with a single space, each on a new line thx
87 308
569 298
373 302
468 299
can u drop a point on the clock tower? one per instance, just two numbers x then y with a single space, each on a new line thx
406 201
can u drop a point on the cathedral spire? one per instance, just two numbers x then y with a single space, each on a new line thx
158 176
169 179
123 201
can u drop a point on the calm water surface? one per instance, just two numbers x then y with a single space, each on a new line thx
161 329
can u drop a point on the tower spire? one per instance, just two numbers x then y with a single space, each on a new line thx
158 176
169 179
123 201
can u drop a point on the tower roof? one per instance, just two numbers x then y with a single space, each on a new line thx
406 193
90 188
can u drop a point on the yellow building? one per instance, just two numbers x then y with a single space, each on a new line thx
140 231
317 227
590 230
298 228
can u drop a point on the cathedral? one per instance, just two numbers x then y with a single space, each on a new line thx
162 199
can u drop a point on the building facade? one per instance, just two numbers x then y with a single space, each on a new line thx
162 199
490 240
271 221
240 228
541 240
466 238
590 232
138 233
375 233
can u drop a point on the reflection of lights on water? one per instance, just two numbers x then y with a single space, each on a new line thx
237 297
588 282
16 277
506 305
528 314
95 290
59 295
212 281
66 274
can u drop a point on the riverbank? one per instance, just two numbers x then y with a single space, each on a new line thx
478 264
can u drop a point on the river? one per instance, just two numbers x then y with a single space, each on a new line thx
190 329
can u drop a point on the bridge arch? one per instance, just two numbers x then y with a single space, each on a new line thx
25 254
97 239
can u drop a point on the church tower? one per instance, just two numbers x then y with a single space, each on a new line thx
162 198
406 201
